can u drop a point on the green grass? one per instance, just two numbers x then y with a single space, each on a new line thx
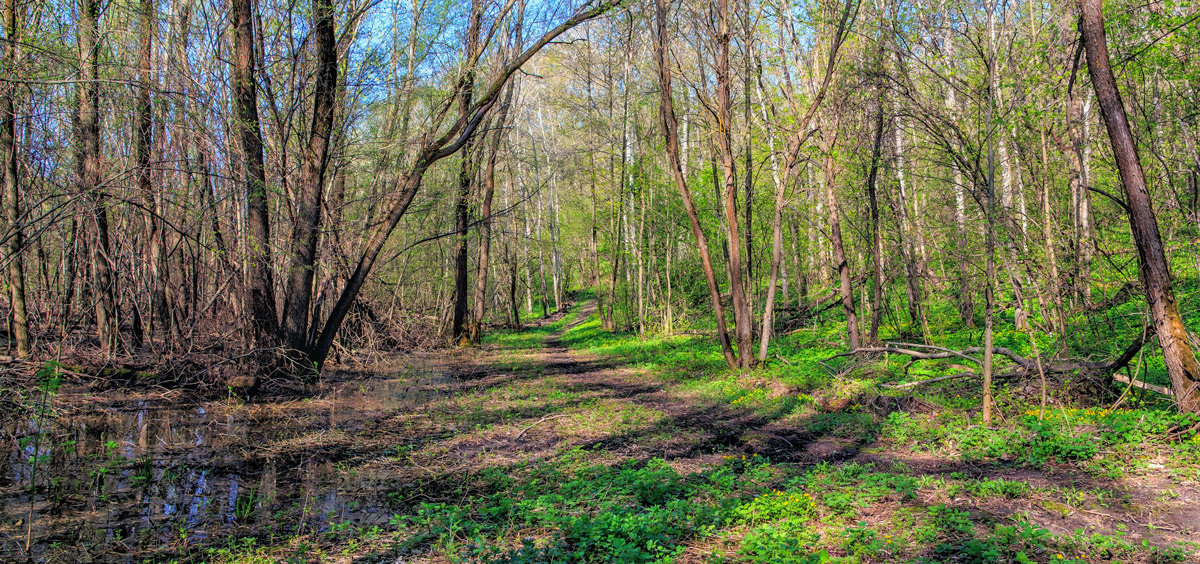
573 503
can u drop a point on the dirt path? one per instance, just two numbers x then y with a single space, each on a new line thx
650 418
439 427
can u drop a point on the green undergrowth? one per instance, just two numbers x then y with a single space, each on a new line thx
929 483
749 509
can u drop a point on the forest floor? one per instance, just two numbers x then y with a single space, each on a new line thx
562 442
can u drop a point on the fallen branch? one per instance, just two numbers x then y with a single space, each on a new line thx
929 381
1123 294
1026 366
535 424
1143 385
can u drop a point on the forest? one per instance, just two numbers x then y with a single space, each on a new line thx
796 281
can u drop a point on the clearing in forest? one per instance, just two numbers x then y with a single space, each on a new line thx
565 442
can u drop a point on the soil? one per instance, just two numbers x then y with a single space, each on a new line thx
377 442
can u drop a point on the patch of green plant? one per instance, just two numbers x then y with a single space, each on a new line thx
777 505
788 542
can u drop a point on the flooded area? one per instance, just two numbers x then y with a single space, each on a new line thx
111 477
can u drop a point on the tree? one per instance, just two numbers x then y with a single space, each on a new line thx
12 192
404 185
155 262
1152 259
305 234
263 322
89 176
670 125
742 319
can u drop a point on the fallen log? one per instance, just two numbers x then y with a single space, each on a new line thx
1026 366
927 381
1144 385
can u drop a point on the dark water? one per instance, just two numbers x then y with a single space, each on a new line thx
121 479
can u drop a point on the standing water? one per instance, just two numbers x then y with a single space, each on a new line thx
122 478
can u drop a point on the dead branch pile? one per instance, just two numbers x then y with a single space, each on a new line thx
1021 367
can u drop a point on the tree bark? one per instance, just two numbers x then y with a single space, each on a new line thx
840 263
485 227
155 265
876 232
1059 321
306 231
1155 272
742 319
88 174
12 192
260 283
462 209
913 266
671 134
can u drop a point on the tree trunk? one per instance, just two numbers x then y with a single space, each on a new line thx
768 319
154 260
260 283
989 291
12 193
914 269
1077 155
88 174
876 232
306 232
462 210
840 263
671 133
1059 322
748 173
741 306
485 228
1155 273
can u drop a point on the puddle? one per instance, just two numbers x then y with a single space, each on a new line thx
114 478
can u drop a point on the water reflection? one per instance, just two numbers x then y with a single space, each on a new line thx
138 476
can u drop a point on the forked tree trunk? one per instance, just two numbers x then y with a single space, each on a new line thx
1156 276
671 133
795 144
306 232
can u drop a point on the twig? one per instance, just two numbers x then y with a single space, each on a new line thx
929 381
535 424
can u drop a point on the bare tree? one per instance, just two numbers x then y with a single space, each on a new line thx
260 282
88 173
12 192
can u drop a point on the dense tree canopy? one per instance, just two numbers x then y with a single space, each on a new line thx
316 177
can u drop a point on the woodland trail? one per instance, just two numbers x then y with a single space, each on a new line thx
383 445
656 418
